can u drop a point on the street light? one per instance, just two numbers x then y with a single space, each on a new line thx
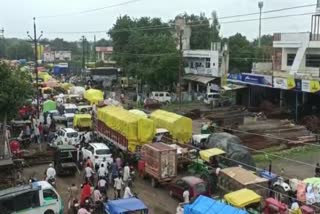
260 5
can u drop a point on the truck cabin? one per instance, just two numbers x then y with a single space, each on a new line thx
213 157
245 199
162 135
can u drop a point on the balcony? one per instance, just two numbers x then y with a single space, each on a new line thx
203 71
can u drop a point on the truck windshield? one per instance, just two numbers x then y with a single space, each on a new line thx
72 134
71 110
103 152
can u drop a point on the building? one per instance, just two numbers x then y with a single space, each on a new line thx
292 79
104 54
204 69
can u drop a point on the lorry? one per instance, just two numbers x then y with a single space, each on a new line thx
123 129
158 161
180 127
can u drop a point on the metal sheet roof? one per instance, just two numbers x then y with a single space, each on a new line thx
200 79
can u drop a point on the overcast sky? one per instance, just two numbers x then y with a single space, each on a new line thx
16 15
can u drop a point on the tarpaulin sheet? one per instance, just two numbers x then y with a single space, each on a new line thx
122 206
137 129
242 198
82 120
94 96
180 127
49 105
205 205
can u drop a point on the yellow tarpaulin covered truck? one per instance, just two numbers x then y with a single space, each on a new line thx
124 129
180 127
94 96
82 121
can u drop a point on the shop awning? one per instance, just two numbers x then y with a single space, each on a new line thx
197 78
231 87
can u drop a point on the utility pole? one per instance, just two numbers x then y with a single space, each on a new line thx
260 5
83 54
94 49
3 52
180 25
35 40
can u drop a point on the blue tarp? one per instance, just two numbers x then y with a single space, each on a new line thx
125 205
60 69
205 205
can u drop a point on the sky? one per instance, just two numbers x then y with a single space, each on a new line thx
16 15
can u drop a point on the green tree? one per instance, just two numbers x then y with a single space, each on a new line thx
15 88
103 43
20 50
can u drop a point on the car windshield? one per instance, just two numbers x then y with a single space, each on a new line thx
200 188
71 110
103 152
72 134
54 114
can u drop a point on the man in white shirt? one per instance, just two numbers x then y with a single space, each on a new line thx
186 195
51 172
102 184
102 171
126 174
117 186
89 173
127 193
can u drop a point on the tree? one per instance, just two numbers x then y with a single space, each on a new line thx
15 88
203 33
264 53
149 55
103 43
20 50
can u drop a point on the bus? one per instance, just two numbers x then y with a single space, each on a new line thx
35 198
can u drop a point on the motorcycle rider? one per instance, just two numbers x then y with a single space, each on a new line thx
51 172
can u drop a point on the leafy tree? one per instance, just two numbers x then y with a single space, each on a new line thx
20 50
103 43
15 88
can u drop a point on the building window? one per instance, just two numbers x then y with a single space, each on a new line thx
191 65
290 59
313 60
207 62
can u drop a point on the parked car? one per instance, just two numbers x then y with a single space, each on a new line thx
211 97
66 136
161 96
195 185
151 104
97 152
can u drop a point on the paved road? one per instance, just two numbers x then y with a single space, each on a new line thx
157 200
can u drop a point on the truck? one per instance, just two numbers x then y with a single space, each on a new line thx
123 129
159 162
180 127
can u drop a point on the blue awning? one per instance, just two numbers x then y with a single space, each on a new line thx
125 205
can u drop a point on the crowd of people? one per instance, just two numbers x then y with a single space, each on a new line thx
98 179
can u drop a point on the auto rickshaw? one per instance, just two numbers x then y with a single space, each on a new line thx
126 205
65 160
83 122
245 199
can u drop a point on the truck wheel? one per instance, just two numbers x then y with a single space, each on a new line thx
153 183
49 212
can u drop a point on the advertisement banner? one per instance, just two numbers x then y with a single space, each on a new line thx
284 83
251 79
311 86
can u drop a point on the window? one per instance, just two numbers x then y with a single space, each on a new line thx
290 59
161 95
49 194
72 134
90 148
313 60
200 188
207 62
168 95
181 184
27 200
156 94
103 152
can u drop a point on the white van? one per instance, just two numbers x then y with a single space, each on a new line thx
161 96
210 97
37 197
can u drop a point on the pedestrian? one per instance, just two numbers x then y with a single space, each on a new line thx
37 134
96 195
186 195
85 193
40 127
83 210
317 170
102 172
127 192
126 174
73 194
114 170
89 174
89 162
118 186
103 186
119 163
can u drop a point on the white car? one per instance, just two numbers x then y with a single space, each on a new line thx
161 96
97 152
210 97
66 136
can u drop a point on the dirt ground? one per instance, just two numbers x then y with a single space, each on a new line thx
157 200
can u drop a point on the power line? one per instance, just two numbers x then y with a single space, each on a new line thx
90 10
268 11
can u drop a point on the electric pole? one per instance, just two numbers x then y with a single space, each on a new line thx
3 48
180 24
260 5
83 53
94 49
35 40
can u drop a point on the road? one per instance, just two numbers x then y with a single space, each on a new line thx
157 200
